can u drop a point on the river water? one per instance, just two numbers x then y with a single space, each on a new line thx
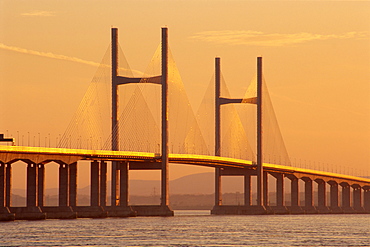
192 228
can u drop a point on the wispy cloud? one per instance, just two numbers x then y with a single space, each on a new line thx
47 54
39 13
256 38
57 56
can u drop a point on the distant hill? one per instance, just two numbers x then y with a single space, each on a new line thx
195 184
189 192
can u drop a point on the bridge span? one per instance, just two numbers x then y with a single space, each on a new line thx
347 194
37 157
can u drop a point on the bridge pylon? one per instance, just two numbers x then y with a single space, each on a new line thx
261 176
119 193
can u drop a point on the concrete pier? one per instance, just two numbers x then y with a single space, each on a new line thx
308 196
95 184
334 197
247 189
322 205
5 214
40 184
357 198
32 211
346 197
63 185
103 183
8 184
280 207
73 184
2 185
366 198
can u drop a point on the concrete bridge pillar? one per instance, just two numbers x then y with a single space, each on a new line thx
31 185
73 184
2 185
346 196
357 197
218 193
265 189
32 211
294 195
334 196
367 198
321 193
308 195
40 184
124 190
95 183
5 214
103 183
279 189
63 184
294 191
280 201
8 184
115 183
247 189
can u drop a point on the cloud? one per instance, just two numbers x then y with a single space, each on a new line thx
39 13
47 54
56 56
256 38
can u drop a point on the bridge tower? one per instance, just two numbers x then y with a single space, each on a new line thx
120 169
219 101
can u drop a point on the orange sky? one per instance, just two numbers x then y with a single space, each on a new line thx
316 62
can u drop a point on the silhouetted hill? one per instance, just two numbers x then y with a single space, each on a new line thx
196 184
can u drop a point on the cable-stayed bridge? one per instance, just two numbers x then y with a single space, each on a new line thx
146 122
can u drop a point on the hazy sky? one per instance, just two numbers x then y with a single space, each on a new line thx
316 62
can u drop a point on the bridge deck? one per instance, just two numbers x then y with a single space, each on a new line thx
68 156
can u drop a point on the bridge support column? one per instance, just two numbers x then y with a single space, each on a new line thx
64 209
346 197
166 211
32 211
8 184
95 183
63 185
5 214
294 195
357 198
294 192
2 185
247 189
218 195
280 202
73 184
124 184
321 193
40 184
367 198
265 189
103 183
260 174
94 210
115 184
218 192
31 185
280 190
122 209
308 195
334 197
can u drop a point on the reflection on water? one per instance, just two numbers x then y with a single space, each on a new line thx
193 228
192 212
